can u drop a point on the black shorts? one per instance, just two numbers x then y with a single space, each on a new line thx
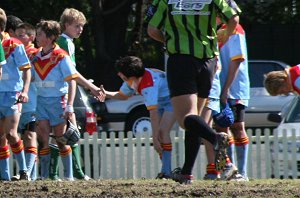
238 112
189 75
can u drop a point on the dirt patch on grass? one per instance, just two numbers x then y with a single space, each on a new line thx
151 188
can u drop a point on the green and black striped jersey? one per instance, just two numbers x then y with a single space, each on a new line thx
190 25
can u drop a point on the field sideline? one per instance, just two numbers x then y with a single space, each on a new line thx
151 188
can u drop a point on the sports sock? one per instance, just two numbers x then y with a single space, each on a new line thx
18 151
4 163
211 169
33 174
78 173
241 146
197 125
166 159
44 154
66 157
192 143
30 156
230 150
54 157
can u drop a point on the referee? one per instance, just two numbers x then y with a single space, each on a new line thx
188 29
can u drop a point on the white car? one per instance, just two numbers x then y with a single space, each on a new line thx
288 152
132 115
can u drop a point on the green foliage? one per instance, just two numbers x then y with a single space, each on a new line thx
270 12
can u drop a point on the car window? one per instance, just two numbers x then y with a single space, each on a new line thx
294 113
258 69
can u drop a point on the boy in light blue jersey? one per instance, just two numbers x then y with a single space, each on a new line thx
152 85
14 87
55 77
26 33
235 90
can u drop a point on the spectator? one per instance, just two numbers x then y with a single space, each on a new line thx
71 23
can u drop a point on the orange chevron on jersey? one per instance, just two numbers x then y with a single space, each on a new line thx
147 81
9 45
44 66
31 51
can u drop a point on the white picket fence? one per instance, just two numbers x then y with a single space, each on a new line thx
113 158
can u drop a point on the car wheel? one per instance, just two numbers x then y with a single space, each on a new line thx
139 122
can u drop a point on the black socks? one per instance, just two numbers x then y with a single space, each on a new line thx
196 128
196 125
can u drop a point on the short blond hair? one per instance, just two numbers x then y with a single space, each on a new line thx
275 80
3 20
71 15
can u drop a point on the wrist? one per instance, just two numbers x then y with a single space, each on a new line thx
69 108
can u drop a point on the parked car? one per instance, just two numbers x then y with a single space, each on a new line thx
85 115
261 103
289 120
122 115
132 115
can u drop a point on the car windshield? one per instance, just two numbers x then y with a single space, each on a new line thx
294 113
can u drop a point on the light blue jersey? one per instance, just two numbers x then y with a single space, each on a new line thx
52 71
235 48
153 87
16 61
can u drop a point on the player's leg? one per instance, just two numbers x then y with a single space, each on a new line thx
77 168
166 123
29 137
43 130
211 172
241 139
5 153
65 152
54 157
10 127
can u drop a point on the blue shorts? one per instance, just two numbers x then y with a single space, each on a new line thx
52 109
213 104
164 105
25 119
7 104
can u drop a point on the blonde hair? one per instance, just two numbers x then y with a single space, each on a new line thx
3 20
274 80
70 15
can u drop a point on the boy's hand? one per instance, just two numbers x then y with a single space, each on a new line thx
23 98
102 95
157 145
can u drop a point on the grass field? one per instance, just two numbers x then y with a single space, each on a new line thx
151 188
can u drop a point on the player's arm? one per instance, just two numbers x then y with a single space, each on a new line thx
156 22
232 72
114 94
87 84
71 96
26 83
156 34
155 120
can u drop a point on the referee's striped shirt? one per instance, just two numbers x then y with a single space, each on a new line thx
190 25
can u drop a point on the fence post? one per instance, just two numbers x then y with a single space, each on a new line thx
122 155
112 147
